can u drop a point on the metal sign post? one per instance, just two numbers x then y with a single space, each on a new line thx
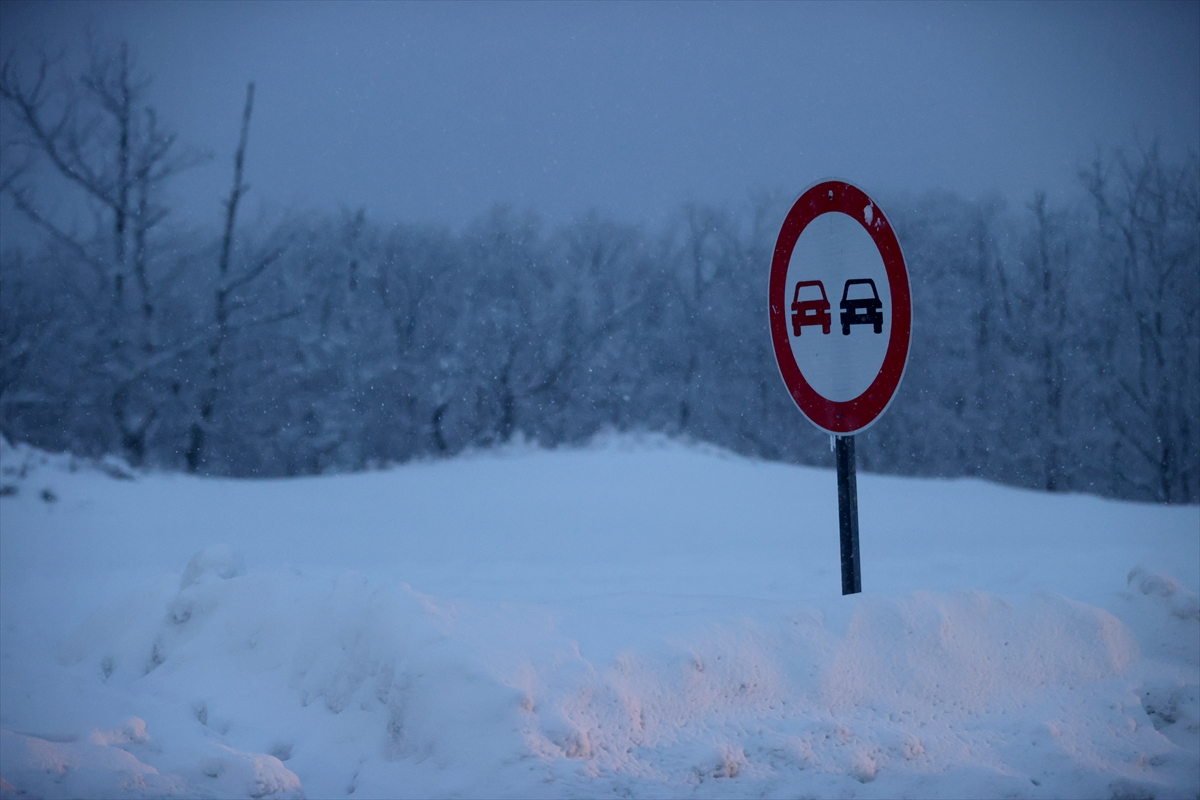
847 488
841 363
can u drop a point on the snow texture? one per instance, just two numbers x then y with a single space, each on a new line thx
638 618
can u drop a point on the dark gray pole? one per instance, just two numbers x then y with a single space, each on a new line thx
848 514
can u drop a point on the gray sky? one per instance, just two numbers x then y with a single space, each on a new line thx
436 112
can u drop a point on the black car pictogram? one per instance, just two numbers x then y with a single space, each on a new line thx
812 309
861 309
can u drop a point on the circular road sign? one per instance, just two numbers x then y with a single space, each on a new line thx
840 307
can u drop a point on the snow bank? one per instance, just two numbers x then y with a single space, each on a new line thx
627 620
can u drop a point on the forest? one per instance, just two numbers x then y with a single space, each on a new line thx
1055 346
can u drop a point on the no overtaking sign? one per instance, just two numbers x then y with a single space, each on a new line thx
841 315
841 321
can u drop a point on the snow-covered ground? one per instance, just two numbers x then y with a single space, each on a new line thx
637 618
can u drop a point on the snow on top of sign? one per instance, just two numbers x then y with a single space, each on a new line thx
869 213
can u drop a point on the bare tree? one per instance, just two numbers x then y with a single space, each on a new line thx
228 299
1149 223
1048 337
99 135
29 321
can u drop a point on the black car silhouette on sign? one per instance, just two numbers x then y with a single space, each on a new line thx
812 308
861 305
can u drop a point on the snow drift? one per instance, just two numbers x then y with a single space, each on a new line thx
638 618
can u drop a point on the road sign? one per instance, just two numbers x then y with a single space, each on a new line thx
840 307
841 364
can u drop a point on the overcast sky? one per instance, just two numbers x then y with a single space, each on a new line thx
435 112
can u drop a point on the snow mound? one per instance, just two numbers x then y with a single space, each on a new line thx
1183 603
974 651
616 621
220 560
381 685
107 765
20 462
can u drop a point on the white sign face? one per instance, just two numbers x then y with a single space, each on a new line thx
839 306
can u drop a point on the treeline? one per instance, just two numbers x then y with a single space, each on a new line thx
1056 348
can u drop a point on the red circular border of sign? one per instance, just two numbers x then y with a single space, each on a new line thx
854 415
